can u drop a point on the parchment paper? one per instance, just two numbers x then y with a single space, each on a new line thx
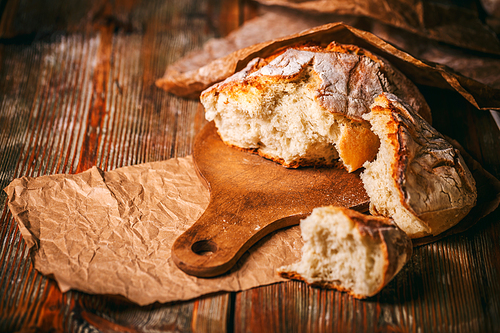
190 83
111 232
279 22
452 22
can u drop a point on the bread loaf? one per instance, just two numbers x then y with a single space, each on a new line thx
312 105
349 251
417 178
304 106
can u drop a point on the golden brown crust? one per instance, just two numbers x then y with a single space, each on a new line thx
396 83
357 145
432 180
320 284
342 80
367 224
398 251
396 247
319 163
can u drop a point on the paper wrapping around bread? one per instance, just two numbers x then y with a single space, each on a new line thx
190 82
450 22
349 251
297 105
418 178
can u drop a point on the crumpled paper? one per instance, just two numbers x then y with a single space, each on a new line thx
111 232
445 21
186 82
277 22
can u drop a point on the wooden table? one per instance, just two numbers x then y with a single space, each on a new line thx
77 90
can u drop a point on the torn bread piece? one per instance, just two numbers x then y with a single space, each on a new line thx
349 251
418 178
303 106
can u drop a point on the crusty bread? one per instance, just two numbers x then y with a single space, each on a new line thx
312 105
349 251
304 105
417 178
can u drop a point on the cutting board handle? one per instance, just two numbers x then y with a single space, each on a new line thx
218 239
249 198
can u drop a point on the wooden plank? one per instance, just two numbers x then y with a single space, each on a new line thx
87 96
27 20
83 99
450 285
444 288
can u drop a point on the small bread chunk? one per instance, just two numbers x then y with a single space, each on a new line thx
304 106
349 251
418 178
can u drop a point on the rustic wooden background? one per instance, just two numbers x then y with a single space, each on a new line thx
77 90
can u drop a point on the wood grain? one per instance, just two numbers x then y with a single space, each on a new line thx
251 197
448 286
78 99
88 78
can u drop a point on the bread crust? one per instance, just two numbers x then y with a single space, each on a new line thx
344 80
396 247
392 79
320 284
431 177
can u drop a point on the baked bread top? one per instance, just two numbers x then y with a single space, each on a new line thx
304 105
418 178
348 78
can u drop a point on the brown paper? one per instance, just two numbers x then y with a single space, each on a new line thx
190 82
480 67
273 24
444 22
111 232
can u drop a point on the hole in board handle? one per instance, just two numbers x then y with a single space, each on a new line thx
204 247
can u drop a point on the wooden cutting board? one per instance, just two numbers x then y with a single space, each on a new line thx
251 197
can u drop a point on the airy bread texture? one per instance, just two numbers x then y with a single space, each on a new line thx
304 106
417 178
349 251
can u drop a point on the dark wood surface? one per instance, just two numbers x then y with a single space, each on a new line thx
77 89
